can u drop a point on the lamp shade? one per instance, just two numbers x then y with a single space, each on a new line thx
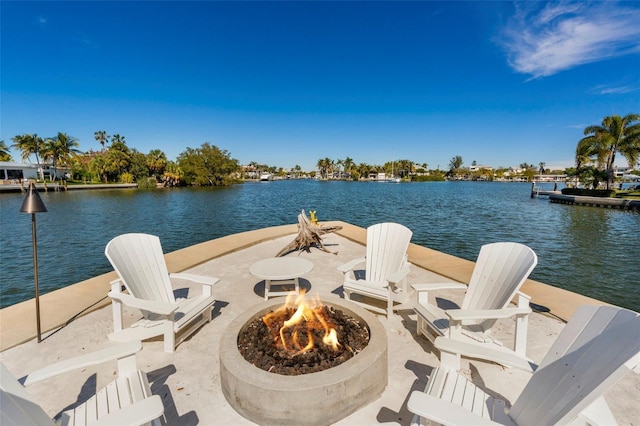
32 202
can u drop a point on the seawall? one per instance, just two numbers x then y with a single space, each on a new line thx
611 203
57 308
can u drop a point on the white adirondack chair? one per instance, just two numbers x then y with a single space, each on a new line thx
499 272
386 268
596 348
125 401
140 264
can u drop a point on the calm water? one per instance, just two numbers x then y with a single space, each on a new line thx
592 251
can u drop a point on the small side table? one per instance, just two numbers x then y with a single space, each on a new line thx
280 271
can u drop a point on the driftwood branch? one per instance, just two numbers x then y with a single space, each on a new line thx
308 235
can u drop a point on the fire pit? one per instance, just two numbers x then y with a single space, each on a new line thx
322 397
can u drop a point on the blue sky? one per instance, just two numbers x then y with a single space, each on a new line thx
288 83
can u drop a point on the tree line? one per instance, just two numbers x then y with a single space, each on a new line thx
347 168
210 165
595 153
117 162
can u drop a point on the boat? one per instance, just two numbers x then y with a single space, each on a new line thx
393 178
264 177
190 379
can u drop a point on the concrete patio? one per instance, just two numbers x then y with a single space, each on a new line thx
188 380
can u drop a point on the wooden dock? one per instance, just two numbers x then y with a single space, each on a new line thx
611 203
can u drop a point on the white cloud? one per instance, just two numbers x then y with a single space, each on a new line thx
615 89
542 39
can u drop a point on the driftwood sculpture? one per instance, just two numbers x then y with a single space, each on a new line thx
308 235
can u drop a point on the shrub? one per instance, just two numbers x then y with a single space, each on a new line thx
126 178
146 183
603 193
428 178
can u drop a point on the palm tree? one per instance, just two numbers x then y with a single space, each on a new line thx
348 164
405 168
102 137
29 145
615 134
325 165
156 162
4 152
117 139
339 163
541 169
172 174
582 156
60 150
455 164
363 170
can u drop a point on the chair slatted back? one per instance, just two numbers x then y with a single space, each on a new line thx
387 245
139 261
587 358
500 270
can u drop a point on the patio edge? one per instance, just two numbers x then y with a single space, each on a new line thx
59 307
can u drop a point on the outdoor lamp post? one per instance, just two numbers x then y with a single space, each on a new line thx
33 204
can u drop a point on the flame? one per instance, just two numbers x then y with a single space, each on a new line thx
293 333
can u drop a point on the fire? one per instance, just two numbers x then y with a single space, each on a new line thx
296 334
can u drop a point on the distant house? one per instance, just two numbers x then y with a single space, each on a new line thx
17 171
377 176
419 170
621 171
479 167
250 171
550 178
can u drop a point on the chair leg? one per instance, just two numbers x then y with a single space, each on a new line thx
116 306
419 325
522 324
347 294
169 337
267 289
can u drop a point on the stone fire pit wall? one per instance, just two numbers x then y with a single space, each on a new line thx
320 398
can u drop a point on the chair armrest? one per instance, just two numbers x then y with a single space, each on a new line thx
479 351
398 276
350 265
443 412
93 358
481 314
423 289
138 413
159 308
438 286
202 279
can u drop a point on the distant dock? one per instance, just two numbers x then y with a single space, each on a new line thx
54 186
611 203
541 193
536 191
